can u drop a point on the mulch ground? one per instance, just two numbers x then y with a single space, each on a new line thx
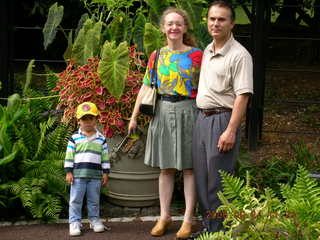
119 231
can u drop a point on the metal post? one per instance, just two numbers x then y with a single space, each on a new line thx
5 47
255 111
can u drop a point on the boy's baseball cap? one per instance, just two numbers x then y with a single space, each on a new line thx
87 108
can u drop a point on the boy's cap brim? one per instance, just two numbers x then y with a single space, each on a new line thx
92 114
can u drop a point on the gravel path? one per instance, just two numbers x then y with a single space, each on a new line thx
136 230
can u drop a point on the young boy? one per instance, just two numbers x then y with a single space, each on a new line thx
86 162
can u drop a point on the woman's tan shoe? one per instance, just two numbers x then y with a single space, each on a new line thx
184 231
160 228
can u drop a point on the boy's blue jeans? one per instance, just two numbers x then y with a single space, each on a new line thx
79 188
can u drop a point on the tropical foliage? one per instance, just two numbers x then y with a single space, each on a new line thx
249 215
32 146
79 83
101 66
105 58
271 172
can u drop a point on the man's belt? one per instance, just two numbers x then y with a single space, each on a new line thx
217 110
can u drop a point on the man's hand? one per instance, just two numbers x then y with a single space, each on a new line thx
69 178
226 141
228 137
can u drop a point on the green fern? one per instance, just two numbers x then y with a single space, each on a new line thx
215 236
46 207
265 216
58 137
51 78
42 146
232 186
305 188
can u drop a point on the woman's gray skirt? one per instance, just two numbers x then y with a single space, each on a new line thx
170 135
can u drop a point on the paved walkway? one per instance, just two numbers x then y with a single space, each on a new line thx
129 230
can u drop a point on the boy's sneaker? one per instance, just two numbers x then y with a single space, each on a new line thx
97 226
75 229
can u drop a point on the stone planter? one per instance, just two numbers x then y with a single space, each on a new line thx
131 182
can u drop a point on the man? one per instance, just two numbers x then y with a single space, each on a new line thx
226 83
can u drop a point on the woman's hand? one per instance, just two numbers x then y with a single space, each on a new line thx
133 121
132 125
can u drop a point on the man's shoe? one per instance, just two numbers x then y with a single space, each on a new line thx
184 231
97 226
160 228
75 229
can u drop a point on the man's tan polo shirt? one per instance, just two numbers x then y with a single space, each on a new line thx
224 75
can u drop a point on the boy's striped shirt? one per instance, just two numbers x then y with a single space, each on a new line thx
87 157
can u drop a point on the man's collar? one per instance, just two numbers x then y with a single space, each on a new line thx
226 47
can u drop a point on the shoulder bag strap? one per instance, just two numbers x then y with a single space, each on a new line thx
154 72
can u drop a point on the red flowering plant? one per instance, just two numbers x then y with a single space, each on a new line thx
80 83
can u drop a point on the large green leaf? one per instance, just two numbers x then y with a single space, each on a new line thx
113 67
92 42
50 28
87 43
194 9
83 19
80 41
121 28
152 38
138 31
68 52
157 8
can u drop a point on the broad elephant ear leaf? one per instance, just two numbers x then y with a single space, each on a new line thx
121 28
113 67
68 52
87 43
83 19
92 42
79 42
152 38
55 15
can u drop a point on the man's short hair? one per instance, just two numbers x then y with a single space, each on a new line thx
224 4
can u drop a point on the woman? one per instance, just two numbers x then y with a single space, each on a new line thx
170 131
